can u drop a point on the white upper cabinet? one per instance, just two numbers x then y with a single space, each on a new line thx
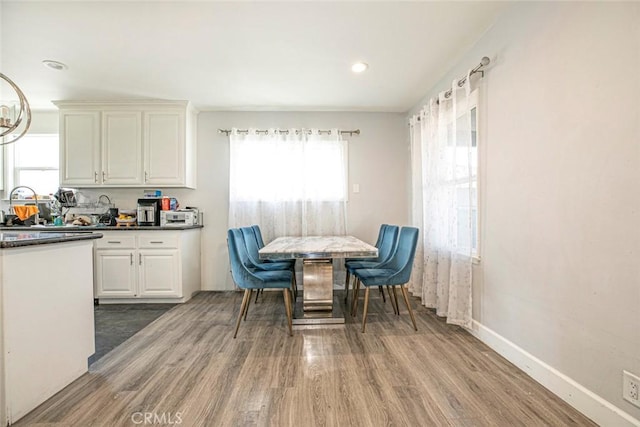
127 144
164 148
121 147
80 148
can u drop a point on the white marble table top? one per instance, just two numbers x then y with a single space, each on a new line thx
318 247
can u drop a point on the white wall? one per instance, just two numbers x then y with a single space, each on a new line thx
560 271
44 121
378 161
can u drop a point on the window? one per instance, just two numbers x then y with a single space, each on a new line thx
290 183
467 192
289 170
36 162
462 179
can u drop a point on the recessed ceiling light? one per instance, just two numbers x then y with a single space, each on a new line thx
359 67
54 65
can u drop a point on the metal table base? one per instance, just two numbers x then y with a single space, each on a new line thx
309 318
318 306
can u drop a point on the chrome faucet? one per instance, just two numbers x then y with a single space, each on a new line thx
35 198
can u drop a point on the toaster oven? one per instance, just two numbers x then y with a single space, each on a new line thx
180 218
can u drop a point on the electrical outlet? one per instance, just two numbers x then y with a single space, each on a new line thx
631 388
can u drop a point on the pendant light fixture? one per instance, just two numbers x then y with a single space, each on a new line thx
14 122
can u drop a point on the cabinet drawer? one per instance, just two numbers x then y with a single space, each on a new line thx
158 240
116 242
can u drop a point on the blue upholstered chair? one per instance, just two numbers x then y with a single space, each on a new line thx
395 272
386 244
260 241
258 233
247 277
377 245
347 261
252 244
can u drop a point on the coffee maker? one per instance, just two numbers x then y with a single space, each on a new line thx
149 211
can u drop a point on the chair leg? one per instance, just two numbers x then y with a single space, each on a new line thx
346 287
381 289
257 295
287 307
356 293
395 297
294 284
393 305
292 303
406 300
366 308
246 308
245 298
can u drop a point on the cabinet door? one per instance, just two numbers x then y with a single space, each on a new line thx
159 273
80 148
164 148
121 147
115 273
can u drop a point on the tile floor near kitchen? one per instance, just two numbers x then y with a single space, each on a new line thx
116 323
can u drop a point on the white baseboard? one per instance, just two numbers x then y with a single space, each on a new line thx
590 404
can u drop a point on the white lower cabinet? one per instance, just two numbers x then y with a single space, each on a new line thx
133 266
158 273
115 273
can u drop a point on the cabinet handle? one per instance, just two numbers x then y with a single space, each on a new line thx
156 241
95 177
104 177
139 259
146 176
113 241
131 258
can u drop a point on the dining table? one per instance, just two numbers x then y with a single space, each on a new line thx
317 254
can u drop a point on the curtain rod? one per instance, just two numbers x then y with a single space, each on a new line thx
478 69
483 63
286 131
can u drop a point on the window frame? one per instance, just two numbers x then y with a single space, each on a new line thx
12 172
473 101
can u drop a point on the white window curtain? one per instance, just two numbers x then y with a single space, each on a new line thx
444 176
290 183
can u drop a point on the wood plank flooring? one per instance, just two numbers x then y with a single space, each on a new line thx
185 369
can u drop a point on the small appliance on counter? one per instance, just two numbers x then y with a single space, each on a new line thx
179 218
110 217
148 213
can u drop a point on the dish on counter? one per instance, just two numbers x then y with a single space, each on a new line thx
82 220
125 220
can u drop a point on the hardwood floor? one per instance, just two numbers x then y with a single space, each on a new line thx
185 369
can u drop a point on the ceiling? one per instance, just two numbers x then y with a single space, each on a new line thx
239 55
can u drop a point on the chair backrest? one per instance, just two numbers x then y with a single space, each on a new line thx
239 261
258 233
383 227
251 245
402 260
388 243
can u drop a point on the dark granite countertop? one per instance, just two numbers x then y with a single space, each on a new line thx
98 228
17 239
